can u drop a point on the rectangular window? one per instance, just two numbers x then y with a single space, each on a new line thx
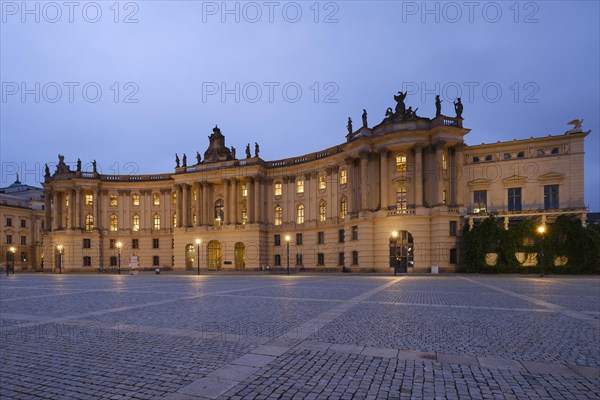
514 199
444 162
23 223
156 199
174 198
341 258
401 163
89 200
87 261
155 244
87 244
355 232
277 260
341 236
276 240
322 182
298 238
23 240
320 258
135 200
135 243
8 221
320 237
155 261
300 186
244 190
113 261
453 228
551 197
24 256
8 239
453 256
355 258
479 201
278 189
299 259
343 177
113 200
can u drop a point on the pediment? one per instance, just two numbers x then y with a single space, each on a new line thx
552 176
480 182
514 179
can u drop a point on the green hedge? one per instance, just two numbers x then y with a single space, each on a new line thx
565 237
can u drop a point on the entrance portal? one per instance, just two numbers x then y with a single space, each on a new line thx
214 255
240 255
401 251
189 256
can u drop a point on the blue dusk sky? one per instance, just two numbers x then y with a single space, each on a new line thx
130 84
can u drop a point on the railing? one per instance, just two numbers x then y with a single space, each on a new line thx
408 211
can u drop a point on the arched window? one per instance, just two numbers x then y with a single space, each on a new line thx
300 214
278 215
322 211
401 198
156 222
114 222
89 222
219 213
343 207
156 199
135 226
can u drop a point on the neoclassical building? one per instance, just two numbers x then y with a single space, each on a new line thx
398 193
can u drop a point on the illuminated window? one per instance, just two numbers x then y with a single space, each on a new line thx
479 201
219 207
444 162
89 200
278 215
244 214
66 200
194 194
401 162
343 177
401 198
113 200
194 219
174 198
322 211
135 199
114 221
156 222
174 220
156 199
278 189
89 222
135 226
444 197
343 207
244 190
322 182
300 214
300 186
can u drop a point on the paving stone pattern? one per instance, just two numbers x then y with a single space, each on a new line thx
329 336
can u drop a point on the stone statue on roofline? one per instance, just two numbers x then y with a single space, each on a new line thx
176 160
349 126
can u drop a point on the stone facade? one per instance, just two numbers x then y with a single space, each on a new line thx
339 206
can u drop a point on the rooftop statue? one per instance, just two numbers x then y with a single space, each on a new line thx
349 126
400 106
438 106
184 160
256 149
458 107
233 152
61 166
364 118
94 167
198 158
78 165
576 124
176 160
217 151
248 155
46 172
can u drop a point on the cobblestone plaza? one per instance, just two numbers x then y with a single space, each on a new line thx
324 336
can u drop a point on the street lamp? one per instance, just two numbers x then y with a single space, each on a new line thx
287 239
119 244
541 230
12 251
395 260
60 253
198 242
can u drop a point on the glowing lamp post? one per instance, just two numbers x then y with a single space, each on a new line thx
287 239
395 259
60 257
12 251
119 245
541 230
198 242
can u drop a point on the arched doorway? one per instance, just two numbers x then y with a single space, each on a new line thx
240 255
214 255
190 256
402 251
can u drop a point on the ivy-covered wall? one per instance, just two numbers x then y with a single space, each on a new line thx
564 238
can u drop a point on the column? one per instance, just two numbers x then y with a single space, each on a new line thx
350 183
199 208
439 172
364 179
48 211
234 201
95 207
257 199
179 207
250 200
205 216
418 175
384 181
79 209
185 205
459 170
226 202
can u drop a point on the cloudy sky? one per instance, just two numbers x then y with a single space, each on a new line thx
130 84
